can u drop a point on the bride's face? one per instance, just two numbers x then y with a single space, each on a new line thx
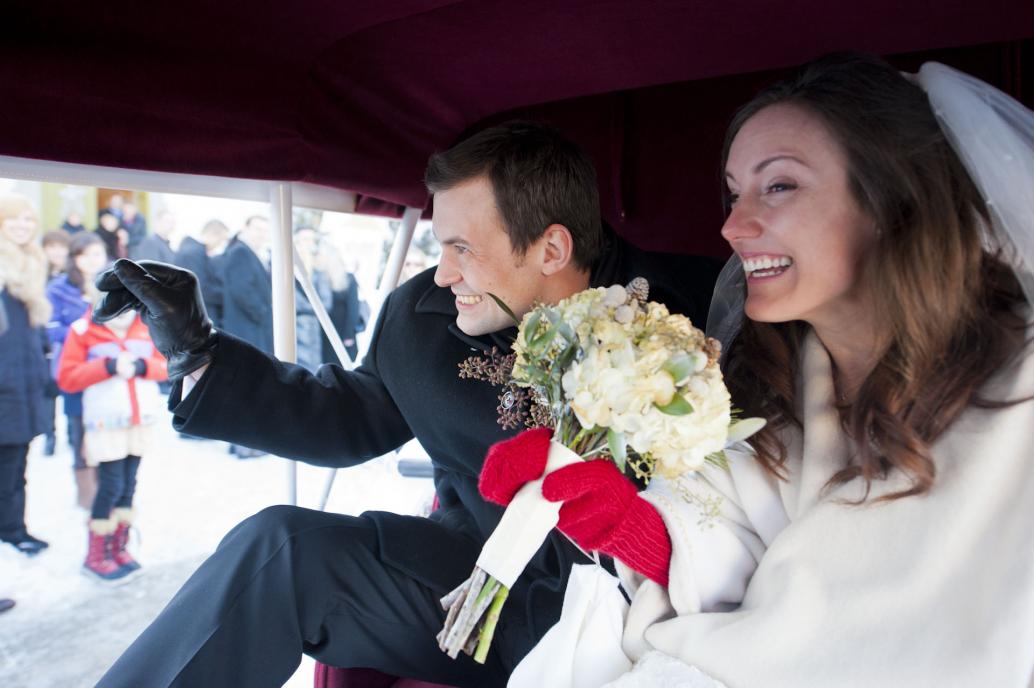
796 226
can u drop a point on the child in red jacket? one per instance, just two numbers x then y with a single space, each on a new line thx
117 368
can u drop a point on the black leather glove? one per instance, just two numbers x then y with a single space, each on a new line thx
170 304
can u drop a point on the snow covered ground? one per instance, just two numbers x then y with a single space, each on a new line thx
66 629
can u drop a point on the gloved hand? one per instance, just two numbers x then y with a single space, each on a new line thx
512 463
170 304
602 511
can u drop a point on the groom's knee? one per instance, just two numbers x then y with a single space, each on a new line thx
305 536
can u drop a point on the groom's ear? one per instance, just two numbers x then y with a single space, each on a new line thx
557 249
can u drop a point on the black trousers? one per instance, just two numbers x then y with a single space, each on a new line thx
75 440
49 409
116 485
289 581
12 490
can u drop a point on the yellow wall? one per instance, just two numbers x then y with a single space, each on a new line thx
59 199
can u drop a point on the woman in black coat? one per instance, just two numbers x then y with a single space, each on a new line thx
23 368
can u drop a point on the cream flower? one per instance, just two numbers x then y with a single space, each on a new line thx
622 376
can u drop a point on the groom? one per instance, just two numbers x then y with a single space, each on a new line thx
516 212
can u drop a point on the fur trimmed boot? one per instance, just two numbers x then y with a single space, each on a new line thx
99 563
120 538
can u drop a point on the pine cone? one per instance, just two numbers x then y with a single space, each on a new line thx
713 349
639 289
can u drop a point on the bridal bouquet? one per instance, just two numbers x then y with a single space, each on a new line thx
619 378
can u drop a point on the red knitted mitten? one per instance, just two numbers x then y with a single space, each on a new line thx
512 463
602 511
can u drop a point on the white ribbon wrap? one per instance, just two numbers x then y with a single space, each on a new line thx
525 524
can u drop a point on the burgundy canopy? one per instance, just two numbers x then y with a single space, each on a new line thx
356 94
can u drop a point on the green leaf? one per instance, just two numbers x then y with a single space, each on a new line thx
742 429
567 332
616 445
505 308
678 406
564 360
680 366
532 326
544 339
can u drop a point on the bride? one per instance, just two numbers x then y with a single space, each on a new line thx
877 532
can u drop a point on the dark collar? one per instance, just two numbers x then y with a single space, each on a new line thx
608 269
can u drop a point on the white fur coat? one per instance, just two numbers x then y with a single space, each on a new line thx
774 584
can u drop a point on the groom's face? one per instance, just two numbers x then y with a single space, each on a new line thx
478 259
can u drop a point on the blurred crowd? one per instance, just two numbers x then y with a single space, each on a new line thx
109 378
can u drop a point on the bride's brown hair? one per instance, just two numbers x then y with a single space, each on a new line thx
949 307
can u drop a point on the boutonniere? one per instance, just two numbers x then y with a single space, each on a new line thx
518 406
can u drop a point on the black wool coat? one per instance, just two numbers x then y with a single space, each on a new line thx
193 256
408 386
247 296
23 374
153 247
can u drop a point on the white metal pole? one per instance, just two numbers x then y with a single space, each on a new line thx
389 280
397 257
282 269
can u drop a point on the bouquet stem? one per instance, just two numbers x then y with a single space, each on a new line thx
473 608
491 619
467 606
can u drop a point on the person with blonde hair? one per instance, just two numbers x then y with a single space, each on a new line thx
23 367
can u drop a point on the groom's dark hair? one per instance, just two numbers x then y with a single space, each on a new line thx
538 178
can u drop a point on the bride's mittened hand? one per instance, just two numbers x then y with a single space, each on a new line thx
512 463
602 511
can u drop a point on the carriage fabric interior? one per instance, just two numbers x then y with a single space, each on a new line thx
356 95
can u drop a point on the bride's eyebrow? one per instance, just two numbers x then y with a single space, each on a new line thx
768 161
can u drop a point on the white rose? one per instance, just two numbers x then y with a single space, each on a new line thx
660 387
615 296
624 314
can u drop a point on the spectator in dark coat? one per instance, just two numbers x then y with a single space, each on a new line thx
156 246
23 368
205 259
308 331
344 307
116 239
73 223
248 295
134 224
247 288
